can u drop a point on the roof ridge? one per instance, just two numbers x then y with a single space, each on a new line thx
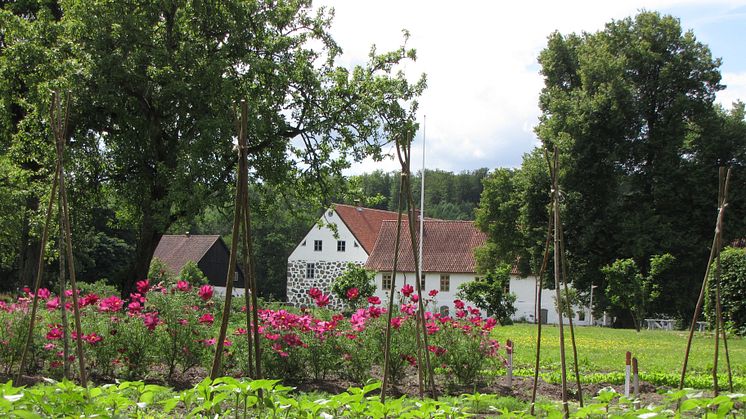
191 235
366 208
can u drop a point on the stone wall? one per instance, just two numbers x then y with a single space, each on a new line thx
325 273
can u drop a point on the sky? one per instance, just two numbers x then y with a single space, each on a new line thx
480 58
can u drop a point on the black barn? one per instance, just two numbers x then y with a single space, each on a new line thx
209 251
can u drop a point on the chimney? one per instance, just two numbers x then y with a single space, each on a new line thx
357 204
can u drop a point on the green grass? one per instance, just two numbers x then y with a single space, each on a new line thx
602 350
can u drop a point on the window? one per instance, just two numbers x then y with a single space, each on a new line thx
317 245
422 281
341 245
355 244
386 282
445 283
310 270
444 311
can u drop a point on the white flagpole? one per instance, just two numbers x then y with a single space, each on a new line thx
422 197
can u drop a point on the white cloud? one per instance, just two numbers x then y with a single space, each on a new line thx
736 89
481 61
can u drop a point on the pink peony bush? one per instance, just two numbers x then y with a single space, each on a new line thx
163 330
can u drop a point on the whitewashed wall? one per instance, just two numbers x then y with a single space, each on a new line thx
329 251
525 291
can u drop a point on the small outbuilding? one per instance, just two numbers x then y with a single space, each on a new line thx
209 252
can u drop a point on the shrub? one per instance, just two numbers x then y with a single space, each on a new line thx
354 286
192 274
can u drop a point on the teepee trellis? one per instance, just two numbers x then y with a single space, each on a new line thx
59 114
555 235
241 224
424 372
723 181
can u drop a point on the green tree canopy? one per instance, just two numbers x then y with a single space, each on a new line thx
156 85
630 109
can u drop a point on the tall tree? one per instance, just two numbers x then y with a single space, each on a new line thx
156 83
630 109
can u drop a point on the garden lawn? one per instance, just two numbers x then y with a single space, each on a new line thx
602 350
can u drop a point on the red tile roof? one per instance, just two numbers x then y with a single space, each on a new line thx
176 250
448 247
364 223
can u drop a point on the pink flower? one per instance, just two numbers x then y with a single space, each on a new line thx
43 293
437 350
459 304
183 286
112 303
415 298
54 333
151 320
207 318
277 347
352 293
407 290
490 323
134 307
374 300
227 343
322 301
240 331
209 342
272 336
143 286
433 293
314 293
53 304
50 347
89 299
205 292
431 328
92 338
396 322
408 308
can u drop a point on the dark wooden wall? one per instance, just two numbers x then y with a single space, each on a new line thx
215 266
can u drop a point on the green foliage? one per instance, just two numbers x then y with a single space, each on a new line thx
732 289
490 293
627 289
448 196
229 397
630 109
355 276
191 273
160 272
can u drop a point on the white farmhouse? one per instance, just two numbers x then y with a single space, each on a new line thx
323 255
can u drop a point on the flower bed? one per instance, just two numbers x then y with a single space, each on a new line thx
166 330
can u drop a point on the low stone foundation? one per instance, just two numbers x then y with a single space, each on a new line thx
324 275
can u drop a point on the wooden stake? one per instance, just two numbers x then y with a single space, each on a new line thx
627 371
509 351
636 382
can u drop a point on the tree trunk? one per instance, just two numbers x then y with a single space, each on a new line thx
147 241
29 246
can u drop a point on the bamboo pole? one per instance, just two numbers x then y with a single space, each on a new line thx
387 345
62 296
232 261
569 312
542 270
